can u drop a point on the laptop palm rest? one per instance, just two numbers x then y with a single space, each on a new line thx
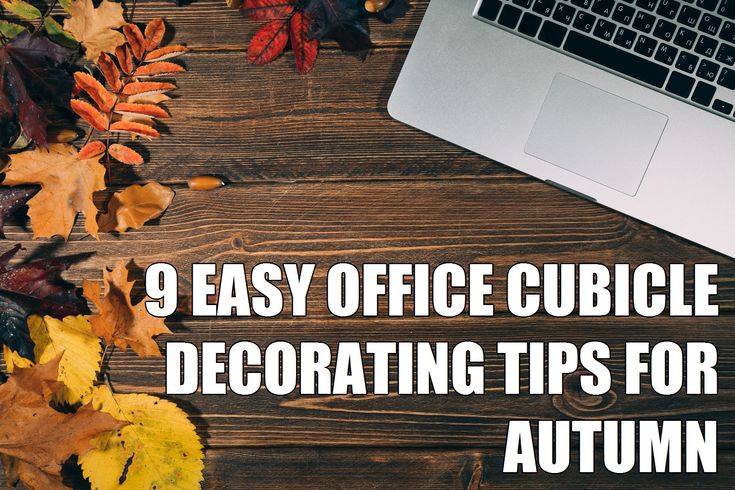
595 134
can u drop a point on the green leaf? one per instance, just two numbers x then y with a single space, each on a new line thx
22 9
10 30
57 33
66 5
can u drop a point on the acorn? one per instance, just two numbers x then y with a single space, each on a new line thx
204 183
375 6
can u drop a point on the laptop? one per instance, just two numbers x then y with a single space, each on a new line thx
628 103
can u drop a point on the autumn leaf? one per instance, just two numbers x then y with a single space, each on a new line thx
31 78
158 449
126 155
305 49
67 185
154 32
40 437
79 366
267 9
135 205
120 322
12 199
96 28
22 9
268 43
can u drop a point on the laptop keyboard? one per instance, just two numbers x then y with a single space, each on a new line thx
683 48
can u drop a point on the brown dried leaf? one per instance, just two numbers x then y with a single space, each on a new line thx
67 186
154 32
134 206
136 128
89 113
118 321
96 28
123 154
96 91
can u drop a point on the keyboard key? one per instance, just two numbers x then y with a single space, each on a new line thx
666 54
728 32
583 4
526 4
616 59
646 4
707 4
604 29
726 54
643 22
727 9
685 38
529 24
564 13
708 70
544 7
703 93
705 46
668 8
687 62
584 21
664 30
603 7
727 78
625 37
552 33
645 45
722 106
710 24
489 9
623 13
509 16
680 84
689 16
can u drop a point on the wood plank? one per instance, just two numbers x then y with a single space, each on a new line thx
410 468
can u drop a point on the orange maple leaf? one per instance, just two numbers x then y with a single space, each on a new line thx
67 185
118 320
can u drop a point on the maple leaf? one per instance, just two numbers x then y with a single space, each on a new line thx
29 77
120 322
12 199
133 206
40 437
305 49
96 28
78 368
67 185
159 449
269 42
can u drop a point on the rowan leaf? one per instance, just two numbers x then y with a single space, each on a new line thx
139 129
40 437
134 206
96 28
120 322
57 33
22 9
158 449
145 110
304 49
67 186
91 149
165 53
12 199
154 32
124 154
89 113
96 91
79 366
268 43
109 71
148 88
125 58
135 39
158 68
267 9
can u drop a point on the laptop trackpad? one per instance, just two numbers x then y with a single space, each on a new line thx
596 134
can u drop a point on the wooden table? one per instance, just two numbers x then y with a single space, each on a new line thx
318 172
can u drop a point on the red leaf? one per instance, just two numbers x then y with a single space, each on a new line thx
267 9
304 49
136 40
109 71
154 32
89 113
91 149
123 154
124 58
104 99
268 43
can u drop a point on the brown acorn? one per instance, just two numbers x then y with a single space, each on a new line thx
204 183
375 6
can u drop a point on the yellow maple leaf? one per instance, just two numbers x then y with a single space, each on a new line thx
95 27
67 185
80 364
158 449
118 320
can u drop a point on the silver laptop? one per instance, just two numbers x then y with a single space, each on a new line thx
628 103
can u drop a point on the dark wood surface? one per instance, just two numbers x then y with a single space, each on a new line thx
318 172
